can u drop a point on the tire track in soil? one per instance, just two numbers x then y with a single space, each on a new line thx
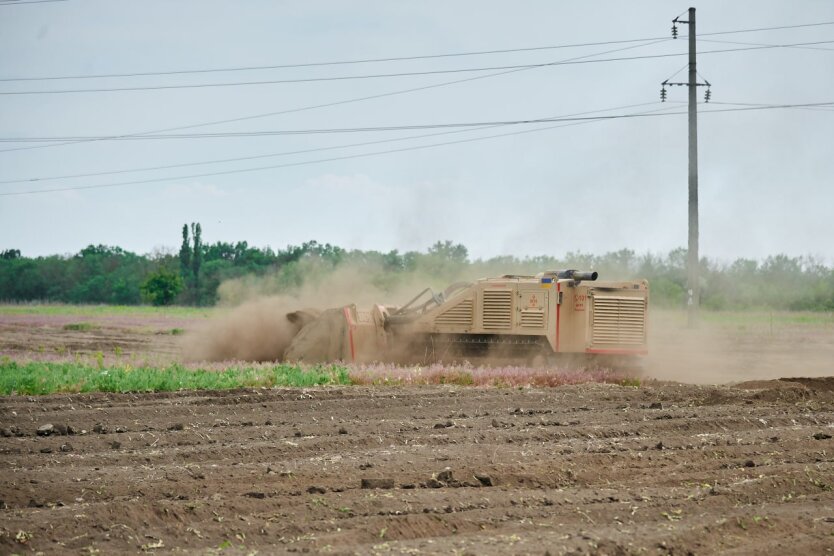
596 469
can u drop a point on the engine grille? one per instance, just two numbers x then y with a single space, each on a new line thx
459 315
498 309
532 318
619 321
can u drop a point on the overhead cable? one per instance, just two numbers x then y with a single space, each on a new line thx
330 104
288 153
389 151
388 59
390 75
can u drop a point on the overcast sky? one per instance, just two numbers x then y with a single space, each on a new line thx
767 176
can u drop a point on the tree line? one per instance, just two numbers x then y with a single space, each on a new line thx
193 276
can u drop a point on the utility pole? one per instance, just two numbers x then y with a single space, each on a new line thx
693 293
692 262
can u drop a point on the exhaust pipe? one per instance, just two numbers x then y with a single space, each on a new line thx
575 275
579 275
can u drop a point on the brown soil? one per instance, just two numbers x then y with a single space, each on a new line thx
591 469
53 335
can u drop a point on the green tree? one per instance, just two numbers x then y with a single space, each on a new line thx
162 287
196 258
185 254
450 252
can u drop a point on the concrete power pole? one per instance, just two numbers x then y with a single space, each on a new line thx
692 263
693 293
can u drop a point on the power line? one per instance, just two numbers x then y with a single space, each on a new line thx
822 107
272 133
389 59
765 44
18 2
797 26
360 99
388 75
329 104
289 153
319 64
302 163
389 151
404 127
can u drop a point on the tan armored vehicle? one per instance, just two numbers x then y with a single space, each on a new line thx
544 318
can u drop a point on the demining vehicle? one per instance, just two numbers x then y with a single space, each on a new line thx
548 318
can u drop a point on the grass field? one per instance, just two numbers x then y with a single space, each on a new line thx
104 310
765 318
36 378
710 317
64 348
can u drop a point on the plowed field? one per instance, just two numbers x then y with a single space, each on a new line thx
662 468
598 469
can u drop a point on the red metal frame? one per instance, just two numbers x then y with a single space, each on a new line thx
351 326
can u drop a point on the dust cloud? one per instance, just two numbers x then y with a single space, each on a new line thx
734 347
255 331
253 324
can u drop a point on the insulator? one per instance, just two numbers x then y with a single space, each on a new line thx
663 94
674 31
707 95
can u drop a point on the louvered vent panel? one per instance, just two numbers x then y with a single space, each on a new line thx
459 315
619 321
498 309
532 318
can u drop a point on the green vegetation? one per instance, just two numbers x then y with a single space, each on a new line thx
162 287
80 326
103 310
35 378
764 318
230 272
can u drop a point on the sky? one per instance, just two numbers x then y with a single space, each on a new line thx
547 188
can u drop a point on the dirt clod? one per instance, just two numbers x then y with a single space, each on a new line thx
377 483
598 483
445 476
821 436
